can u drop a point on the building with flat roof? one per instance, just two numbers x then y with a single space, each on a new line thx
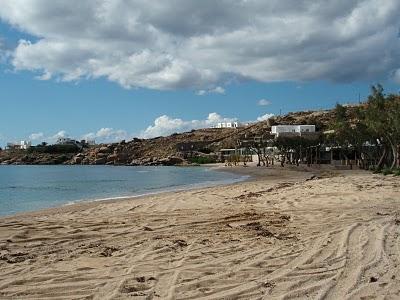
292 130
228 125
17 146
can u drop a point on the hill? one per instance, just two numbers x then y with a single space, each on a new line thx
173 149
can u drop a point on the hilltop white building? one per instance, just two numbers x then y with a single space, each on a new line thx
22 145
25 144
228 125
292 129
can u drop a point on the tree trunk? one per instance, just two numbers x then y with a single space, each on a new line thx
362 160
398 156
382 159
395 154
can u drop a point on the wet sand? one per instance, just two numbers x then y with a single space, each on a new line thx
285 234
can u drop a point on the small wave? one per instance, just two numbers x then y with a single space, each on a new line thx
172 188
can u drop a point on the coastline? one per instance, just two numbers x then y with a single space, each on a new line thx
283 233
145 193
248 174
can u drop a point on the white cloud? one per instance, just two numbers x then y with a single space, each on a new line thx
60 134
149 44
51 139
264 102
265 117
201 92
162 126
217 90
107 135
36 136
165 125
103 135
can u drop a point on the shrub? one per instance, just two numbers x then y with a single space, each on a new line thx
54 149
377 171
202 160
205 150
387 171
396 172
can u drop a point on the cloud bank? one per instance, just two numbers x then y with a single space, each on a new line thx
165 125
162 126
106 134
204 44
265 117
103 135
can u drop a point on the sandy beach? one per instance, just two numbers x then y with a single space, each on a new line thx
285 234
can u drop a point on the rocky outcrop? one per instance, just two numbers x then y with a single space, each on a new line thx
22 158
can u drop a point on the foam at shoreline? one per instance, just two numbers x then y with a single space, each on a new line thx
172 190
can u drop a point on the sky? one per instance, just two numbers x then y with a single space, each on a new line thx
116 69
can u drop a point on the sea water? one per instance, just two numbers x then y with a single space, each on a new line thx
28 188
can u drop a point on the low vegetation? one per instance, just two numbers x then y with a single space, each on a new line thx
374 133
54 149
202 160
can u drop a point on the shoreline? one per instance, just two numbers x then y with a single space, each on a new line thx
178 188
284 234
250 173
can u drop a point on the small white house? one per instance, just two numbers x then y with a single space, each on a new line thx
25 144
228 125
293 129
22 145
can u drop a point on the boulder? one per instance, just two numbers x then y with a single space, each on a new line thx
101 155
100 161
104 149
147 160
112 157
171 161
77 160
135 162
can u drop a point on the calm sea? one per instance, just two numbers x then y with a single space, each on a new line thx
27 188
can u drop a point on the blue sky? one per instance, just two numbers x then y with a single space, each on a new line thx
109 100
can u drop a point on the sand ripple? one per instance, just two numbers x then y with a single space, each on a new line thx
326 238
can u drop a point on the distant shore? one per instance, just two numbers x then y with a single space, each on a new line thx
287 232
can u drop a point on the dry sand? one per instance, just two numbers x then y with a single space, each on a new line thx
280 236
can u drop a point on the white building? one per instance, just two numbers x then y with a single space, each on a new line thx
22 145
25 144
228 125
64 141
292 129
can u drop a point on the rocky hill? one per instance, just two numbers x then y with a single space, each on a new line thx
171 150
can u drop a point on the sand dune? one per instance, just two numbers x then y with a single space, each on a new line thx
277 237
